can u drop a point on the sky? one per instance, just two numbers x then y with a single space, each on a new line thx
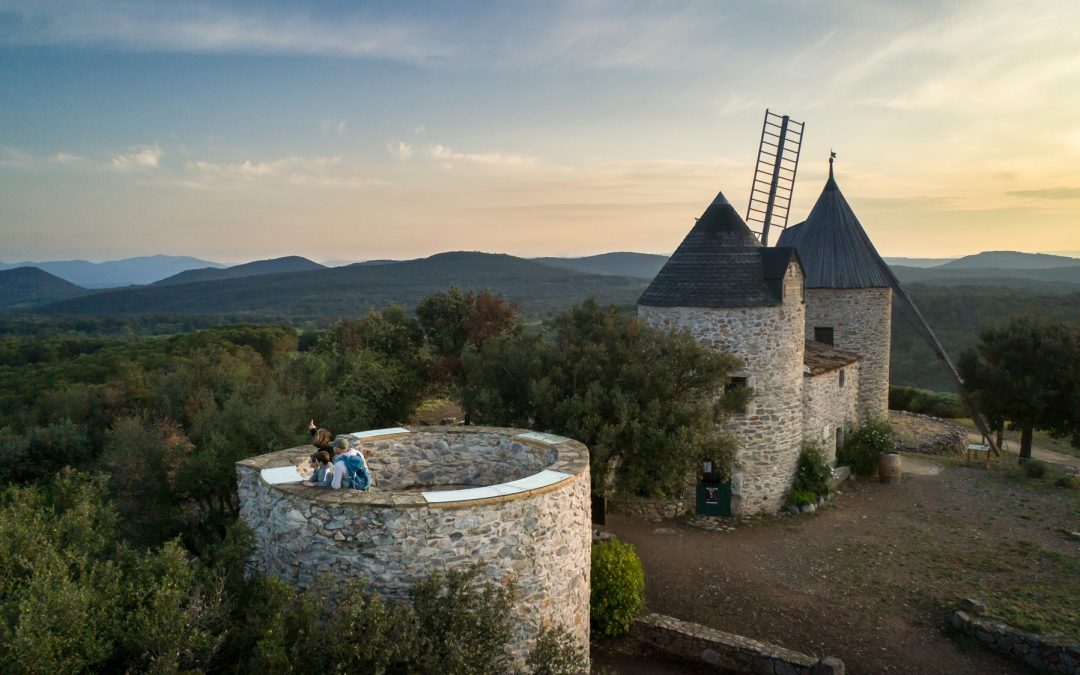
363 130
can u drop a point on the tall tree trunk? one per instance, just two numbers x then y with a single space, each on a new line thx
1025 441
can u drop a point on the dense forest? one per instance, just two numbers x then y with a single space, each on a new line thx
120 548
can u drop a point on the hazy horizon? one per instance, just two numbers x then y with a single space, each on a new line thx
242 132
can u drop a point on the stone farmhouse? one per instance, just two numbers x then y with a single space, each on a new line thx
810 319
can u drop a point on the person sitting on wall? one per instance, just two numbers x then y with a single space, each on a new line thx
324 470
321 438
350 467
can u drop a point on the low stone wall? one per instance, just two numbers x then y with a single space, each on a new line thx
728 651
652 509
1044 654
927 435
538 538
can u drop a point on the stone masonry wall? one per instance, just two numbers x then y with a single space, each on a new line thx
827 406
861 319
446 459
539 540
769 340
733 653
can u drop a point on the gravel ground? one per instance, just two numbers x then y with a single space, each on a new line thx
871 577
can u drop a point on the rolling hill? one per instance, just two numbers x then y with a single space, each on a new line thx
623 264
1014 260
352 290
1050 280
292 263
26 287
113 273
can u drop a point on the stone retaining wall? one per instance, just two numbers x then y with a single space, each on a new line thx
924 434
728 651
538 539
1044 654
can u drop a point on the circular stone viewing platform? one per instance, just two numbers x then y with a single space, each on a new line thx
442 498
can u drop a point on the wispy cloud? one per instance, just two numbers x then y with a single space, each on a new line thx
65 158
1048 193
311 172
140 157
401 150
448 156
206 28
335 126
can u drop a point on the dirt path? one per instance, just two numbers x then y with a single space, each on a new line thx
870 578
1037 452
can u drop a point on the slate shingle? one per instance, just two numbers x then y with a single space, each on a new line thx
834 248
720 263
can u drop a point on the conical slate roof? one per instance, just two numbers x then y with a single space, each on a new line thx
833 246
720 263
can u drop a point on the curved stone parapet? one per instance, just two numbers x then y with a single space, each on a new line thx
442 498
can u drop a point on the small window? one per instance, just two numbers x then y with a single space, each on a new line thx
823 334
841 377
739 383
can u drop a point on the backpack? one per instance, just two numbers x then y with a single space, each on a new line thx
356 471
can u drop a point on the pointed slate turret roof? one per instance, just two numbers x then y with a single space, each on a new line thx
720 263
833 246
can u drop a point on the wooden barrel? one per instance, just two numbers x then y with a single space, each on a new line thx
889 469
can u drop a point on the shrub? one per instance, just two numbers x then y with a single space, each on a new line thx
1033 469
926 402
556 653
862 447
814 471
618 587
1072 482
802 497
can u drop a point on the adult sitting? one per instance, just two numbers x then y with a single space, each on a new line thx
321 438
350 467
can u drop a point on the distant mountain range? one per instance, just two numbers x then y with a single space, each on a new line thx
353 289
297 287
292 263
113 273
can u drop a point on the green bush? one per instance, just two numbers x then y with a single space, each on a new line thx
556 653
926 402
862 447
814 471
802 497
618 587
1072 482
1033 469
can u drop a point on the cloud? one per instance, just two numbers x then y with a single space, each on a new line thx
141 157
315 172
338 127
1048 193
448 156
65 158
205 28
401 150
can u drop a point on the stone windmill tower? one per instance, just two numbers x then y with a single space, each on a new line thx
732 293
848 291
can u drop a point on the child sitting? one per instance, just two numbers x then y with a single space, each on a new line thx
324 470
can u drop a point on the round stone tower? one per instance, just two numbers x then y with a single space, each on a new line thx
733 294
848 291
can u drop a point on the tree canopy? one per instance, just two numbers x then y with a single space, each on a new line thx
1027 373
